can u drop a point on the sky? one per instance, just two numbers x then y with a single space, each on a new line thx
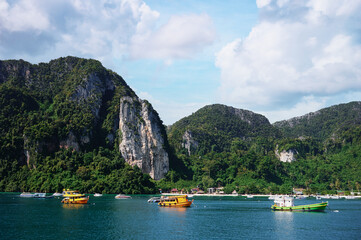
279 58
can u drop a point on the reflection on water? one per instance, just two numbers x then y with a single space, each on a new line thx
284 223
73 206
179 211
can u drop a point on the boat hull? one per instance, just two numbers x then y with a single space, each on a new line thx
175 201
185 204
119 196
76 200
317 207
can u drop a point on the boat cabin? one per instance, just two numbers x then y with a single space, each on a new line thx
284 201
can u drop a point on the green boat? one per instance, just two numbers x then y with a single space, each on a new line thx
285 203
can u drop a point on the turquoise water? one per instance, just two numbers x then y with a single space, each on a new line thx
208 218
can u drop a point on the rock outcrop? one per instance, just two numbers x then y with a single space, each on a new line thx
286 156
188 142
86 106
142 141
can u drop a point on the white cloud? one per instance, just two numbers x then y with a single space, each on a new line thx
171 111
22 15
306 105
262 3
284 58
105 30
180 37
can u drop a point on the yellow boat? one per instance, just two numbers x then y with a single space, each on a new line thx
175 201
74 197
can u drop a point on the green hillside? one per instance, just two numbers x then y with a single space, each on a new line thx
58 129
239 153
323 124
55 123
214 127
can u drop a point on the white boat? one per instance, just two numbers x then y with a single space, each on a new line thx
122 196
318 197
57 194
98 194
335 197
300 197
39 195
349 197
249 196
27 195
154 199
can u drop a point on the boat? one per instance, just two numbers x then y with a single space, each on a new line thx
57 194
175 201
74 197
27 195
300 197
154 199
39 195
98 194
34 195
122 196
286 203
250 196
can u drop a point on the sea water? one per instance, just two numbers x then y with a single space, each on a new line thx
208 218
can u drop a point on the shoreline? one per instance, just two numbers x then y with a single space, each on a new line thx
256 195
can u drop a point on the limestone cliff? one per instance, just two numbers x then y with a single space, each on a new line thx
78 104
188 142
286 156
142 141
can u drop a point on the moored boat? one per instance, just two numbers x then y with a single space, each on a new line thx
39 195
349 197
98 194
27 195
57 194
34 195
154 199
74 197
175 201
285 203
122 196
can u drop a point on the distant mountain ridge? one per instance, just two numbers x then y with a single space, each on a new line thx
215 126
325 123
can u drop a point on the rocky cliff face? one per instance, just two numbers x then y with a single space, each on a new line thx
84 106
142 142
188 142
286 156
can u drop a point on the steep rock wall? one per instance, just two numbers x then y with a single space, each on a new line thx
141 140
286 156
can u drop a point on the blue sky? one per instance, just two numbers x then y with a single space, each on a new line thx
279 58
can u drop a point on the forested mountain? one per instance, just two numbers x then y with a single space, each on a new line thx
326 123
241 150
73 123
214 127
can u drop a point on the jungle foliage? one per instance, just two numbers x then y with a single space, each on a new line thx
249 164
43 105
